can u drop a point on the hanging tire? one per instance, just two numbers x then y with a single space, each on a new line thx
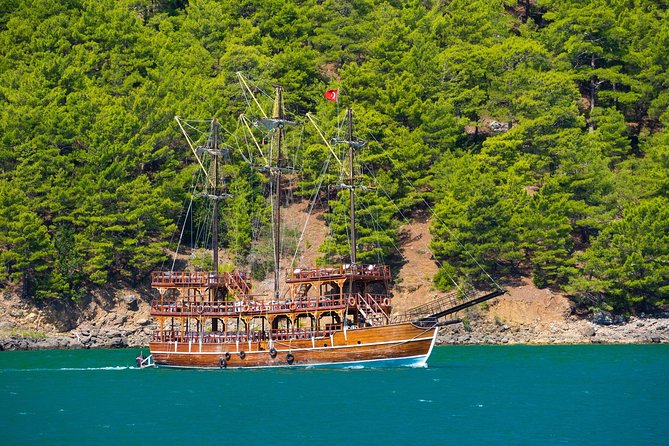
227 356
223 363
272 353
242 354
290 358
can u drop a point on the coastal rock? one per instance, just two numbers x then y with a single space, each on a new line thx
7 325
48 344
587 331
16 312
602 317
131 302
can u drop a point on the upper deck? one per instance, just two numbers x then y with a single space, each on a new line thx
193 307
366 273
235 281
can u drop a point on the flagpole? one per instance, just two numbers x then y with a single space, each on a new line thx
338 87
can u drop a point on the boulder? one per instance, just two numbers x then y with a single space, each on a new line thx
131 302
602 317
587 331
7 325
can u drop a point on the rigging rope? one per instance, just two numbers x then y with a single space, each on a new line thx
183 228
441 221
311 207
406 220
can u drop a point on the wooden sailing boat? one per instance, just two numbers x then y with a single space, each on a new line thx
329 316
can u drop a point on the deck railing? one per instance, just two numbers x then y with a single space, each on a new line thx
233 308
236 280
361 272
231 337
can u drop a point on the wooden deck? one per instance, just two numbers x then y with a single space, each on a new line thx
366 273
235 281
249 307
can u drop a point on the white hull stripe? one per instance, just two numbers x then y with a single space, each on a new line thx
411 361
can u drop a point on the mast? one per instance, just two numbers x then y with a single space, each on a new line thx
278 115
214 130
351 186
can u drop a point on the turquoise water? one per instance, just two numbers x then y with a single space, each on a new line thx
478 395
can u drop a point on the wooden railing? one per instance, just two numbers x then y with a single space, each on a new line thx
360 272
231 337
444 308
235 308
235 281
159 307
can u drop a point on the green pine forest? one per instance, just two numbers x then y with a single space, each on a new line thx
534 130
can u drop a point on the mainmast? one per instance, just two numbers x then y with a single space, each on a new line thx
277 125
351 185
278 116
214 243
218 192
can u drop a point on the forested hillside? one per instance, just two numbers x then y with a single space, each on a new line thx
535 129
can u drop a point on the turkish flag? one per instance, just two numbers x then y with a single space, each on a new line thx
332 95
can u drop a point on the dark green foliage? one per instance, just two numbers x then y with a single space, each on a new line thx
627 266
534 129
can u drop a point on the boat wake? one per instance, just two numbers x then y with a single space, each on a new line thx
68 369
96 368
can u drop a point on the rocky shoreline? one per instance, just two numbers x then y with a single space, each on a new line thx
477 332
525 315
637 330
86 338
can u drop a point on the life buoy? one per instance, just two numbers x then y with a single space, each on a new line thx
242 354
386 302
245 307
227 356
272 353
290 358
352 301
223 363
200 309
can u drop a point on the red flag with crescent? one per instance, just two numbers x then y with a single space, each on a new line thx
332 95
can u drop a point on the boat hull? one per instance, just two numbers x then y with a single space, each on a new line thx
384 346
